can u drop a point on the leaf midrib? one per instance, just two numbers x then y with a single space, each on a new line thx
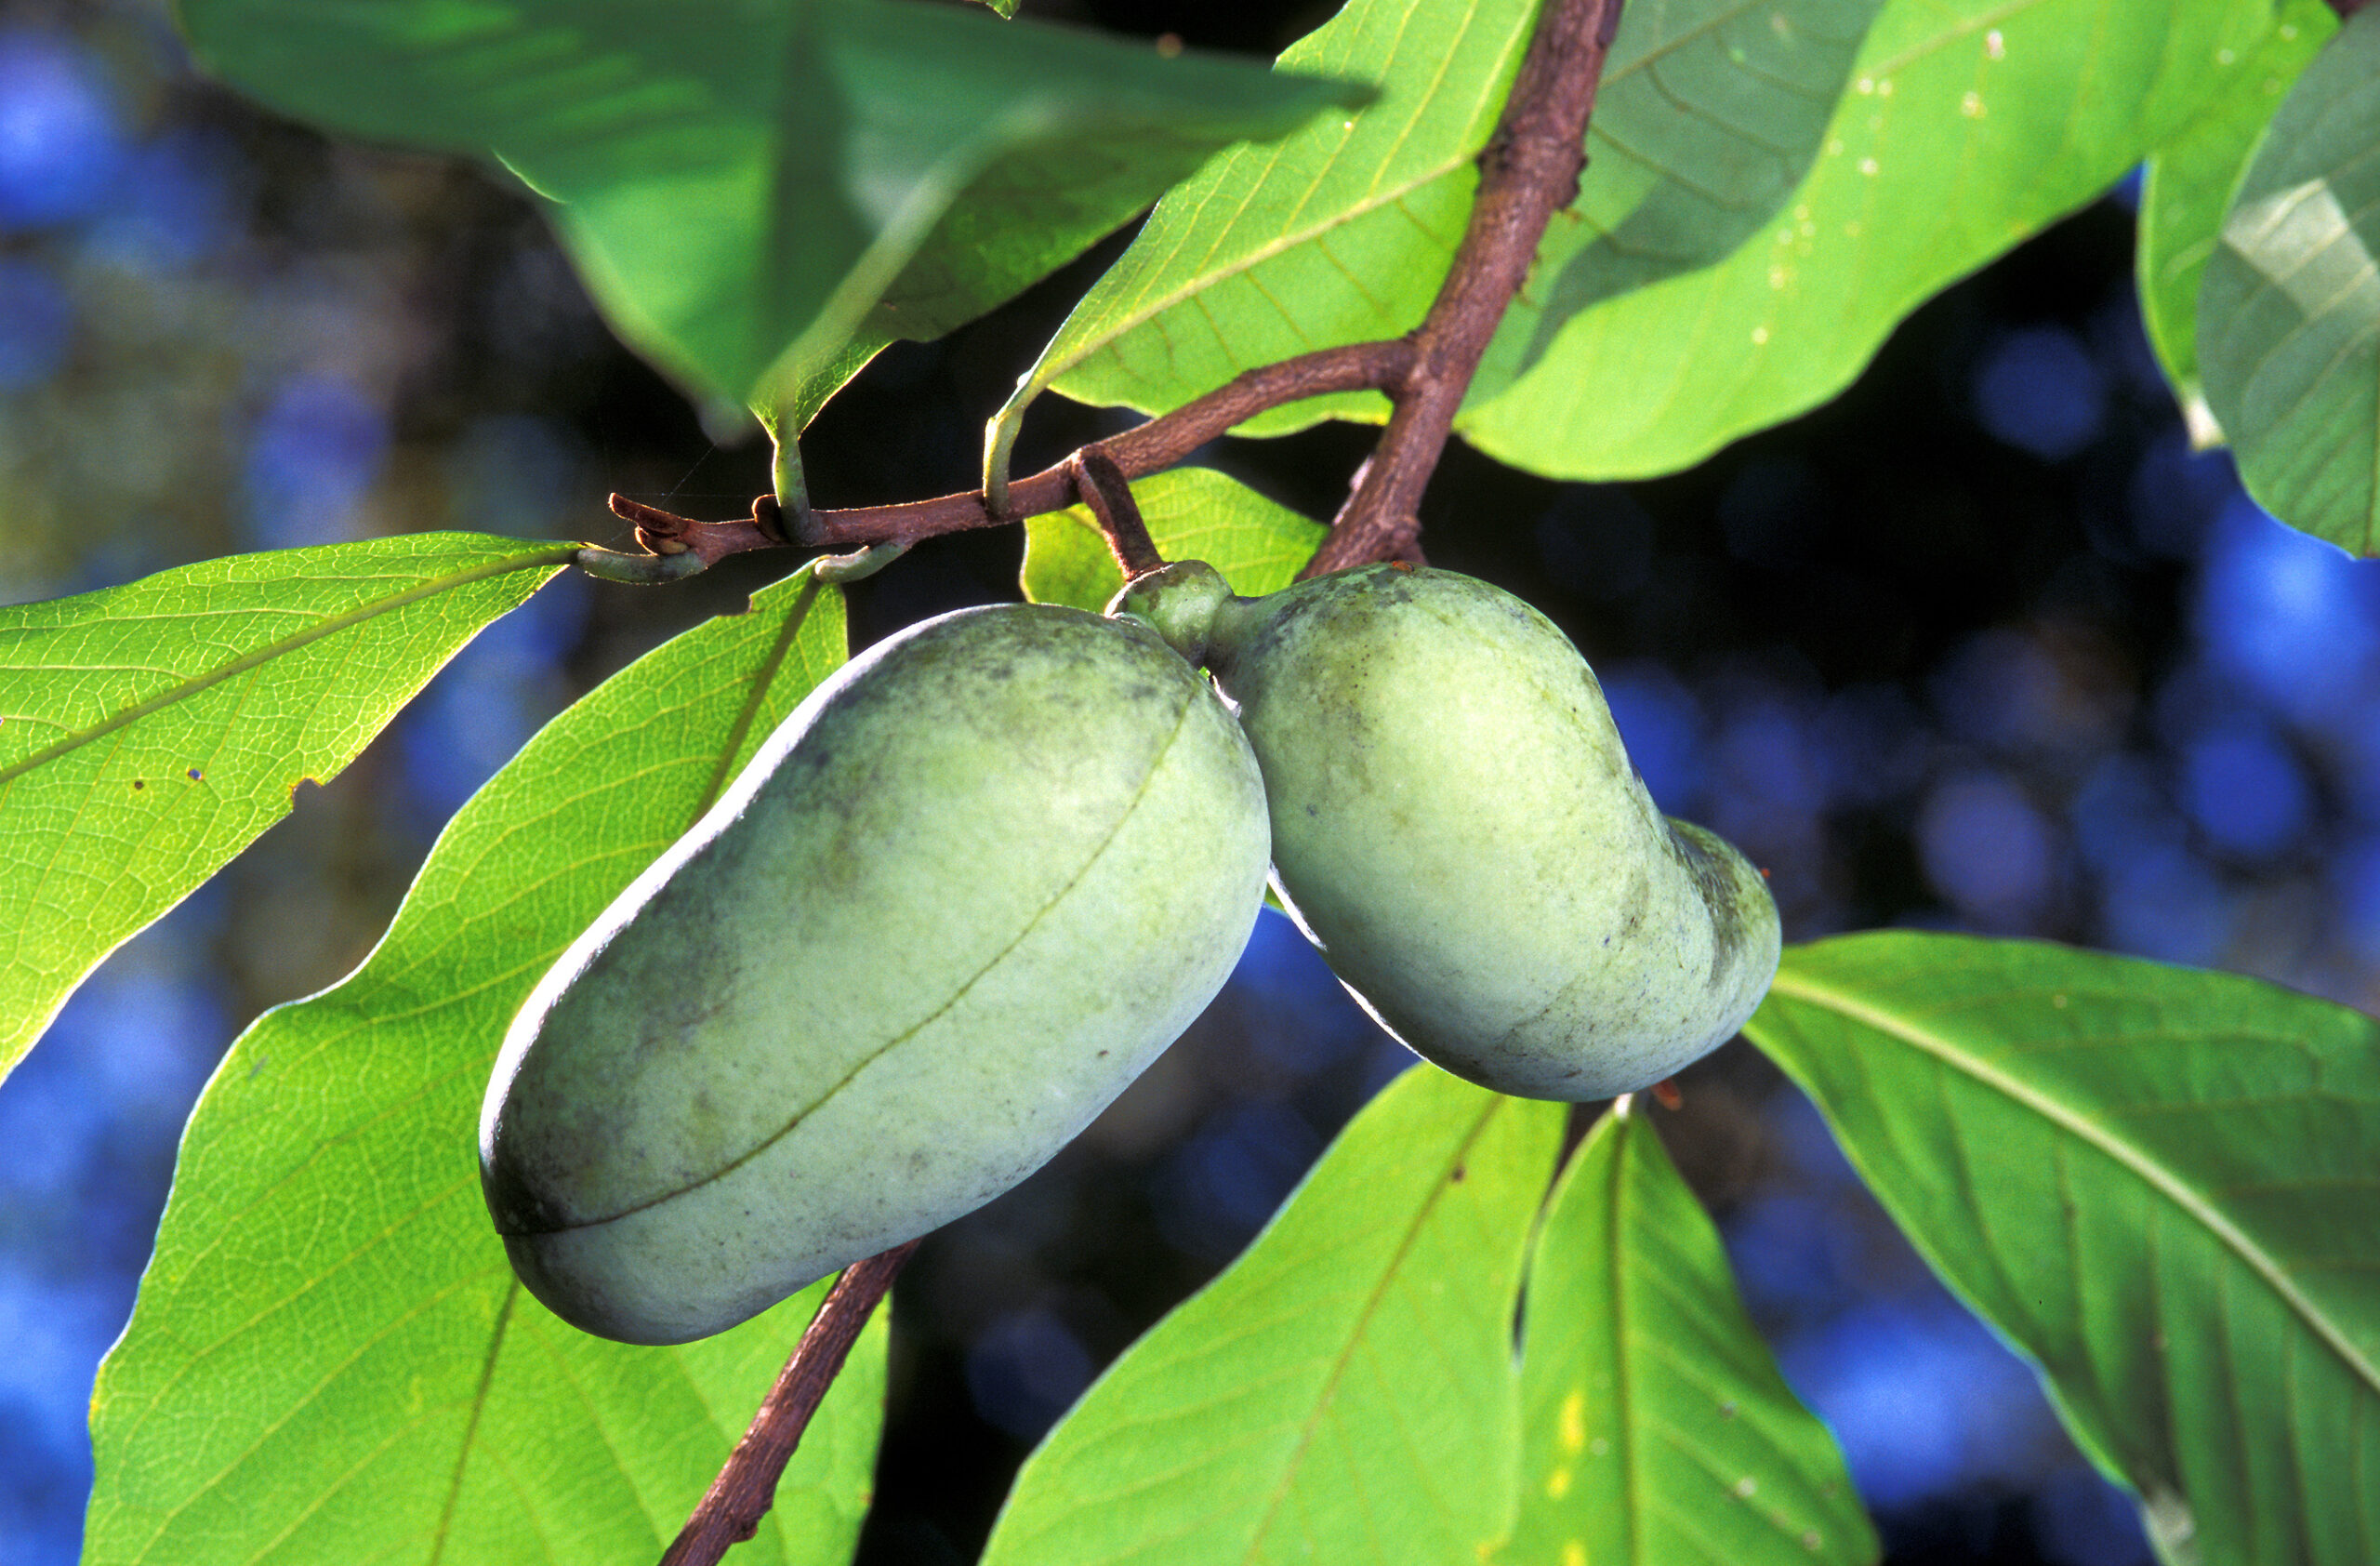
186 689
1329 1393
2161 1178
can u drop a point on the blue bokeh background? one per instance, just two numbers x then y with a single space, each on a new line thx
2137 713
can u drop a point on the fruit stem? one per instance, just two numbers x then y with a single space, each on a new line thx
1100 485
1529 171
731 1510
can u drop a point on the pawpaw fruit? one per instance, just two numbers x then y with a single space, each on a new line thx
962 896
1458 827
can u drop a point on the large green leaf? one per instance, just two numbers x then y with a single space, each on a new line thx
2290 308
1193 514
148 733
2164 1186
1969 125
329 1358
1709 111
746 184
1655 1428
1344 1392
2188 189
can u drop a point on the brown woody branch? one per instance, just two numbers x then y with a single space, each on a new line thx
1527 172
731 1510
1138 452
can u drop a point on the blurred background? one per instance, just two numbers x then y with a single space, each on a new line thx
1982 645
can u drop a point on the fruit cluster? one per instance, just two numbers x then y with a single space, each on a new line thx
979 879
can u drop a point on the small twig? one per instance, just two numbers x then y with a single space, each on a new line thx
1100 486
667 533
1529 171
1138 452
731 1510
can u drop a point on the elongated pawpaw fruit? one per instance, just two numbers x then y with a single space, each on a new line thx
1457 827
966 892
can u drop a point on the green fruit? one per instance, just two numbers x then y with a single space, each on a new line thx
1457 827
972 886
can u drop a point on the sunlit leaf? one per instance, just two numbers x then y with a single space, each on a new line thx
329 1358
1710 110
746 194
2290 308
2189 188
1656 1429
1968 124
1193 514
149 732
2162 1185
1345 1391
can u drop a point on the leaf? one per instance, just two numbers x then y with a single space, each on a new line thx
747 188
2189 188
149 732
1193 514
2291 301
1969 125
1656 1427
329 1358
1716 114
1710 111
2162 1185
1343 1393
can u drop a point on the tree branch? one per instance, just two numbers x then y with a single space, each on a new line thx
731 1510
1138 452
1527 172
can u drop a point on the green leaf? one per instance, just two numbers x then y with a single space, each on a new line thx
1969 125
1193 514
746 188
2291 302
2189 188
1656 1427
2162 1185
149 732
1715 109
1343 1393
1710 111
329 1358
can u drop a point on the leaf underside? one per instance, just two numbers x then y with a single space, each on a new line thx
2162 1185
154 730
1343 1393
329 1358
1657 1430
745 195
1709 112
2188 189
2289 307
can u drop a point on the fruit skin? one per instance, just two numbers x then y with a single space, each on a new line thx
1457 825
959 899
